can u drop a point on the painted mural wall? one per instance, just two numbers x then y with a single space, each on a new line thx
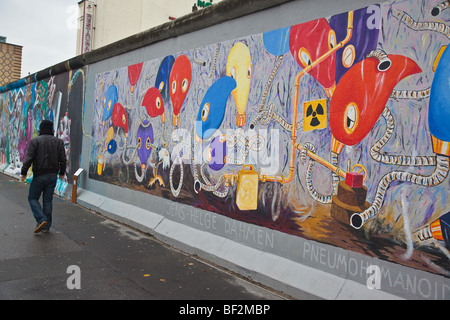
334 130
59 99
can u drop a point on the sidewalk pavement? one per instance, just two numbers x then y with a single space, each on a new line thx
112 261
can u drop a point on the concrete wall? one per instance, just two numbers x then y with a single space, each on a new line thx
311 220
58 98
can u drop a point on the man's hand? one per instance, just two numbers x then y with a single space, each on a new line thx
23 178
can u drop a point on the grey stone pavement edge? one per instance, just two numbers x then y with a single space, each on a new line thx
115 261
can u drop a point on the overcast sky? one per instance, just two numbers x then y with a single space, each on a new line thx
45 28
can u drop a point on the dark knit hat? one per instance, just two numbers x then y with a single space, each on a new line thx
46 126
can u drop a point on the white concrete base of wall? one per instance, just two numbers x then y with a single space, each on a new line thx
290 277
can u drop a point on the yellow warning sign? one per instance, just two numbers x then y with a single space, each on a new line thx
314 115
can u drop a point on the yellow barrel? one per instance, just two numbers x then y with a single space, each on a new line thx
247 188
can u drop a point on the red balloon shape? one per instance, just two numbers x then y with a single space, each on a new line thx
153 103
120 118
361 95
309 41
179 81
134 72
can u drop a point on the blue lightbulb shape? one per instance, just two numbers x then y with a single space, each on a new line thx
439 110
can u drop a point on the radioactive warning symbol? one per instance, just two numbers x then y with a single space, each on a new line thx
315 115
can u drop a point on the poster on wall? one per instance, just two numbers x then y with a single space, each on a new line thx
59 99
333 130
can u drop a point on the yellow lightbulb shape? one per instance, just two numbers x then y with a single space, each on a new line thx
240 68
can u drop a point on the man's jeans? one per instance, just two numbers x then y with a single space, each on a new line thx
44 185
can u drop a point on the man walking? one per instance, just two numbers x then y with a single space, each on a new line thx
47 155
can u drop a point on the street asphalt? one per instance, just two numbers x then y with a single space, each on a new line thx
86 256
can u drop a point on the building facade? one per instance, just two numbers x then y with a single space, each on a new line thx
10 62
103 22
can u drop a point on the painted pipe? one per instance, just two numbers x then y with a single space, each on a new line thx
293 146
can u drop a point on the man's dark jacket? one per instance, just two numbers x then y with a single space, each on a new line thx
47 155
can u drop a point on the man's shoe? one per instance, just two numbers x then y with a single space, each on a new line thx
40 226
